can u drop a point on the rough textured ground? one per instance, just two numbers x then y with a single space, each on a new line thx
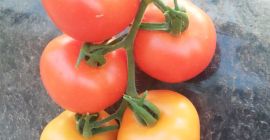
232 96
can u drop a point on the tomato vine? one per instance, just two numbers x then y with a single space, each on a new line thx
146 112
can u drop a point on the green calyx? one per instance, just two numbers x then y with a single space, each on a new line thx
95 58
176 19
94 54
85 125
146 112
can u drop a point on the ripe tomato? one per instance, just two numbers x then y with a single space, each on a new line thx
63 127
176 58
91 20
85 89
178 120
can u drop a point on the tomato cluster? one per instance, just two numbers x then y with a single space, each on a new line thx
87 70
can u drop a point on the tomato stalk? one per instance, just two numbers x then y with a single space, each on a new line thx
131 89
146 112
145 115
90 50
128 44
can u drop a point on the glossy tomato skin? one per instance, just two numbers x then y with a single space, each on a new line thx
85 89
178 120
63 127
176 58
91 20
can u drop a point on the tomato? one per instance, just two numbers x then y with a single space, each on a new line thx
85 89
176 58
91 20
178 120
63 127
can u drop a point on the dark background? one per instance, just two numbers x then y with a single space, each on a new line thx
232 96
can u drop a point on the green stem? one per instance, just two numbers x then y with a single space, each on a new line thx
155 26
99 123
113 47
128 43
176 6
105 129
106 48
160 4
87 132
117 115
136 24
131 88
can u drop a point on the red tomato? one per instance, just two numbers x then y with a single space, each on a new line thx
178 120
91 20
176 58
85 89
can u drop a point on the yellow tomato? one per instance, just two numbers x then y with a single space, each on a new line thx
63 127
178 119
